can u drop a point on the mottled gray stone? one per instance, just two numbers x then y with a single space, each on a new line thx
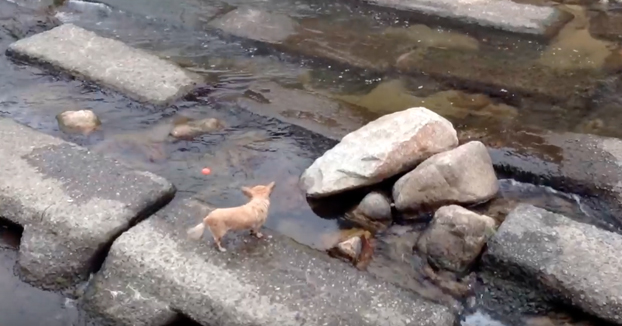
505 15
256 24
567 261
385 147
455 238
135 73
463 175
376 205
72 203
273 281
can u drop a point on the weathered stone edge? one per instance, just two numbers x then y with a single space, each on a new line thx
471 26
22 58
504 265
148 304
78 273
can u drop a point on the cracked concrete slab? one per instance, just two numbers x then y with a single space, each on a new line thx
566 261
157 272
71 203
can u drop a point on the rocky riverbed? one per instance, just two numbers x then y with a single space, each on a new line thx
438 153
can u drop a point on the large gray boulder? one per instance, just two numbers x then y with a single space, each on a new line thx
455 238
566 261
381 149
464 175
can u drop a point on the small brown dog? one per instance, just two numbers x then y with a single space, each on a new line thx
251 215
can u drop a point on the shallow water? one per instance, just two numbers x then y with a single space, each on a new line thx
27 305
252 149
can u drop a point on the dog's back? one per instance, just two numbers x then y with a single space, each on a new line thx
239 218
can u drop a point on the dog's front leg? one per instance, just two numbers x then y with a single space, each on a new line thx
256 233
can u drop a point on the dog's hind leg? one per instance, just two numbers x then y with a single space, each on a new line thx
218 233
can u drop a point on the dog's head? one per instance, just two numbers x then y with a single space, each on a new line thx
258 191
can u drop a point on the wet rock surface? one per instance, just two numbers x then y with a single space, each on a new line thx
455 238
195 128
558 258
82 121
463 175
490 70
70 202
505 15
606 25
293 282
394 261
372 153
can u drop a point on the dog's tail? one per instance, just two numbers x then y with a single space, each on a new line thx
196 232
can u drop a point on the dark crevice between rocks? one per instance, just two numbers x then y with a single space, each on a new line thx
511 297
513 302
10 234
182 320
100 256
599 199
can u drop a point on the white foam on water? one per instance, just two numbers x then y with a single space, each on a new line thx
480 319
528 186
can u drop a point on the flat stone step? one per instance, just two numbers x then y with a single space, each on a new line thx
72 203
503 73
107 62
504 15
567 261
154 271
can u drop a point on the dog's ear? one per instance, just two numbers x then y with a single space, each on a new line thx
247 191
271 186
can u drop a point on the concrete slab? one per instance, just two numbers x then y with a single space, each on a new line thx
359 46
72 203
504 15
569 262
153 270
110 63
